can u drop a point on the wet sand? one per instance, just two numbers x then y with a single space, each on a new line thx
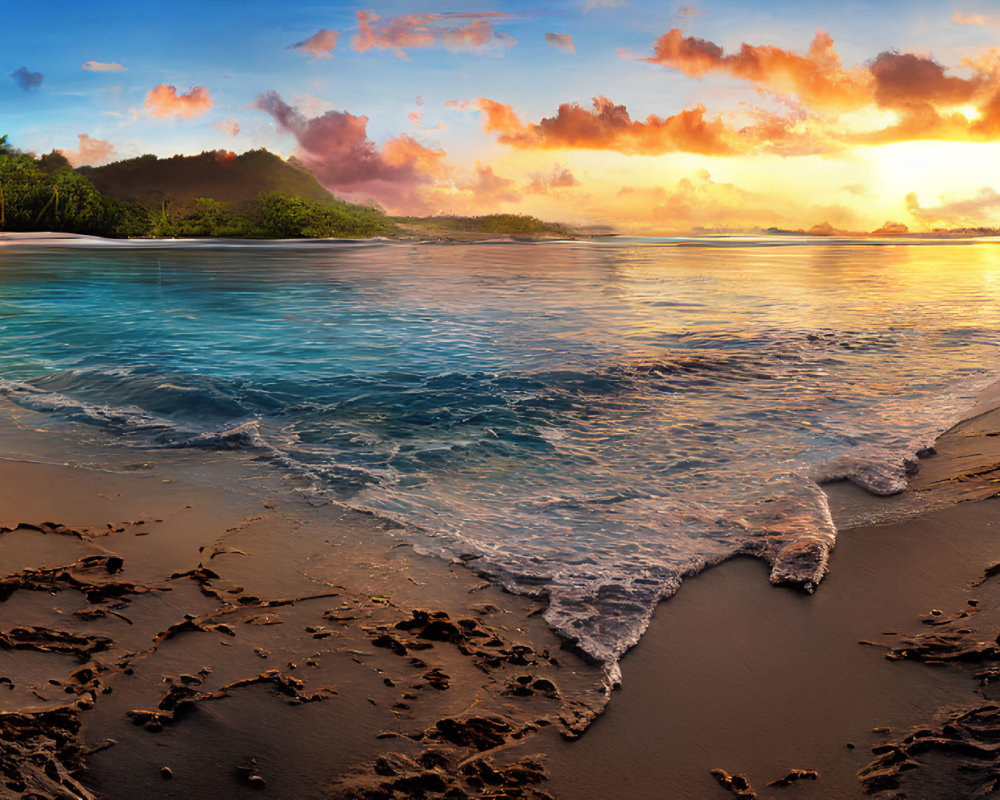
187 626
737 675
163 636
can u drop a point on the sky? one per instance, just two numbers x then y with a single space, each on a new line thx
647 116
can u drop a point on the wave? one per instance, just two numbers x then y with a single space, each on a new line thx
445 455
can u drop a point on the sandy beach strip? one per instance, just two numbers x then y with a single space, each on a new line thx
185 626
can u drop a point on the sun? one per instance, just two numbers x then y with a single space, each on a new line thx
971 113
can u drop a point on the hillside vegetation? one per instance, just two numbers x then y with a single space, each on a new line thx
233 180
257 195
452 227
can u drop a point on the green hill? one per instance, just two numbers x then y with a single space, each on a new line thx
235 181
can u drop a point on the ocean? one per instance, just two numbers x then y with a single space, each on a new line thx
585 421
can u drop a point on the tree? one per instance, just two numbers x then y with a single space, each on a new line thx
25 190
53 162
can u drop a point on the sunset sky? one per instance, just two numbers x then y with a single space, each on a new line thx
648 116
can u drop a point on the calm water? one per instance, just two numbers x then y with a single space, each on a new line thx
589 419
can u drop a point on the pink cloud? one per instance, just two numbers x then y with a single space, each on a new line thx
90 152
969 211
163 101
561 41
559 178
320 45
456 32
490 188
102 66
335 147
228 126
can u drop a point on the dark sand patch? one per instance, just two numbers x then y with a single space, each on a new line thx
166 637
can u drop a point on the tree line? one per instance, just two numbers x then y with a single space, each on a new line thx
47 194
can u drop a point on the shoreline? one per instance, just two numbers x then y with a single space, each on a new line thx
737 675
363 678
55 238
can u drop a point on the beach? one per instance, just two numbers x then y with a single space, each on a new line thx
357 530
208 660
164 637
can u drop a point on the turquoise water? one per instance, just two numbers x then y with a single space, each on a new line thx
586 420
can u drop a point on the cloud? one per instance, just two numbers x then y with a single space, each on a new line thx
163 101
455 32
905 80
311 106
689 11
890 228
416 117
606 127
857 189
320 45
968 19
591 5
816 78
230 127
90 152
336 148
559 178
695 203
490 189
102 66
925 100
561 41
891 80
27 80
982 208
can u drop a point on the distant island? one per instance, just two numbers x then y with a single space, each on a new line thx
217 194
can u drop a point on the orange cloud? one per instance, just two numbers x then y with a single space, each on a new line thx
971 211
335 147
320 45
890 228
230 127
607 127
968 19
817 78
695 204
456 32
163 101
416 116
90 152
561 41
927 101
